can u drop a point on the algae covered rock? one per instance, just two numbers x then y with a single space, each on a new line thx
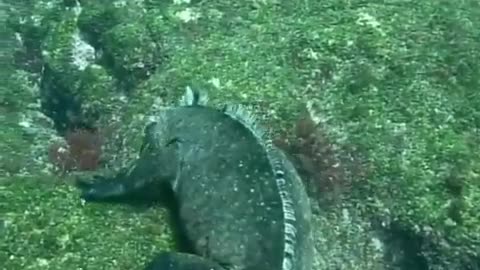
66 234
392 87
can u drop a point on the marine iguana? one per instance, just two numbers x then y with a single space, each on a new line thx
240 199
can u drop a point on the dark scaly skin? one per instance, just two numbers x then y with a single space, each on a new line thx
224 184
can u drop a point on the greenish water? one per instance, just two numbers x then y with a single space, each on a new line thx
393 86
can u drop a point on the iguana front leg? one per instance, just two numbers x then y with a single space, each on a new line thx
152 166
182 261
106 188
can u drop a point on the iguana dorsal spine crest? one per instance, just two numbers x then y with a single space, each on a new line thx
244 116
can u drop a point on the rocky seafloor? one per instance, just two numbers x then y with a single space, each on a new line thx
376 102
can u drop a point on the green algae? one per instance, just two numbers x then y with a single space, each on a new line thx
396 82
46 226
18 155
